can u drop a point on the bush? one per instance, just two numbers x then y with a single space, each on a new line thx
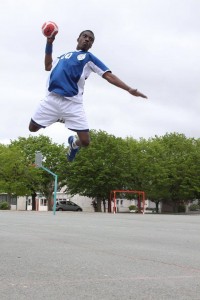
4 205
194 207
132 207
181 208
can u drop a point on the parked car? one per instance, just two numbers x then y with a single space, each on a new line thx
67 205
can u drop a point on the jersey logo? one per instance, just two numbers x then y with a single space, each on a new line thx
81 56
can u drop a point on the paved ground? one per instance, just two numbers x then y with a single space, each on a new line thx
99 256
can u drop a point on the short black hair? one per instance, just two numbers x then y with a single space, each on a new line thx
85 31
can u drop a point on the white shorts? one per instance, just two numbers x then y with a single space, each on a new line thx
54 107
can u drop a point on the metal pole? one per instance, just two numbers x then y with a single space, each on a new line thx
55 192
55 187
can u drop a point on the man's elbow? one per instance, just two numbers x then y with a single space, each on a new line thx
47 68
108 76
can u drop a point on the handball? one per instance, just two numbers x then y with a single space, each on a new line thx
49 29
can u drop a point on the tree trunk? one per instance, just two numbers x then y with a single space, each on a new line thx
50 202
104 205
94 204
157 208
33 196
98 204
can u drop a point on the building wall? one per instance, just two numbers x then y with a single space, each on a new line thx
123 204
84 202
21 203
25 203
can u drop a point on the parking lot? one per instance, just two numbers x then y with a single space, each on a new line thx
77 255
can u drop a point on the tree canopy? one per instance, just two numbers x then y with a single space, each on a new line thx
166 168
54 159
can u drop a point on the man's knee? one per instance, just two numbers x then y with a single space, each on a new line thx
84 138
85 142
33 127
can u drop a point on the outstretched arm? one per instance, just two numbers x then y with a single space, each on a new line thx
48 54
113 79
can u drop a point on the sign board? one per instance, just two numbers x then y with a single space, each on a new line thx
38 159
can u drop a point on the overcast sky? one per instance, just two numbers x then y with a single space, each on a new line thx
152 45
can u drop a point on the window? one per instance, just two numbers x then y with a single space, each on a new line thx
43 202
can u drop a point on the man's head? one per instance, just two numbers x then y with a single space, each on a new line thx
85 40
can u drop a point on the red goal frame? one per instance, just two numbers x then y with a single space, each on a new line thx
141 198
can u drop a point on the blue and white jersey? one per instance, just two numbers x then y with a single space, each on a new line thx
70 71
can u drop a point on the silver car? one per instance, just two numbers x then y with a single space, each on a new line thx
67 205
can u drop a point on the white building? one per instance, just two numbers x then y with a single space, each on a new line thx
25 203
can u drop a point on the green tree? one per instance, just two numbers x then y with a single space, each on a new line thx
170 168
99 168
167 168
153 172
54 159
15 172
182 157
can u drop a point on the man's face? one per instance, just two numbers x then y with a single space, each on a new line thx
85 41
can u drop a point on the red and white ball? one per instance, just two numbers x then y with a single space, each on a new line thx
49 29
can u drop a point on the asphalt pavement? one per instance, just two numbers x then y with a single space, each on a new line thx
77 255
